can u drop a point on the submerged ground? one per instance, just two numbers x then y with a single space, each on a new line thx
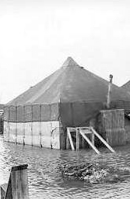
46 180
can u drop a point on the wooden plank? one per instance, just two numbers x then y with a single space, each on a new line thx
104 142
72 129
3 189
113 126
77 139
89 142
20 167
86 130
63 136
70 139
17 187
19 184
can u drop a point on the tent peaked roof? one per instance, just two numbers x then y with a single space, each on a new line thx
126 86
70 84
69 62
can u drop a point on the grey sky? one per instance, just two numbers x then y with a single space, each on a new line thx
37 36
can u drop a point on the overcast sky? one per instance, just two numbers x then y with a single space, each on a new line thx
37 36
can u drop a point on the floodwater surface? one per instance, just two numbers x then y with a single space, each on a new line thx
44 175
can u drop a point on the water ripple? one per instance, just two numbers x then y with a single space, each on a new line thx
45 179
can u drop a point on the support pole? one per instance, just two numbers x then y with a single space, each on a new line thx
77 139
109 92
70 139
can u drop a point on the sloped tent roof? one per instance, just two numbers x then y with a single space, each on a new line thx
126 87
72 94
71 83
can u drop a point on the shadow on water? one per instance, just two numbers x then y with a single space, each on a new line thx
44 176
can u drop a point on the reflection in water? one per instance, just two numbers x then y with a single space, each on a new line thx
45 180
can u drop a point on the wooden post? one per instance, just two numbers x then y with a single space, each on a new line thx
92 124
19 182
109 92
17 187
70 139
77 139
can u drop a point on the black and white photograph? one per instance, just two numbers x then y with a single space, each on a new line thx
64 99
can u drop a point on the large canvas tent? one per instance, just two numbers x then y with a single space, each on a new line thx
68 97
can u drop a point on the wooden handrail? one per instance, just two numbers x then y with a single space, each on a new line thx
89 142
104 142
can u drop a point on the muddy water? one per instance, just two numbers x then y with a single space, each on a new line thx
45 179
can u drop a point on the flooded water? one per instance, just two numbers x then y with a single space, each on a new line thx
46 181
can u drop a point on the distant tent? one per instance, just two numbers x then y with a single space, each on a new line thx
126 87
68 97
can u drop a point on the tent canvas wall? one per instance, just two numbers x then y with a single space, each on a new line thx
68 97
